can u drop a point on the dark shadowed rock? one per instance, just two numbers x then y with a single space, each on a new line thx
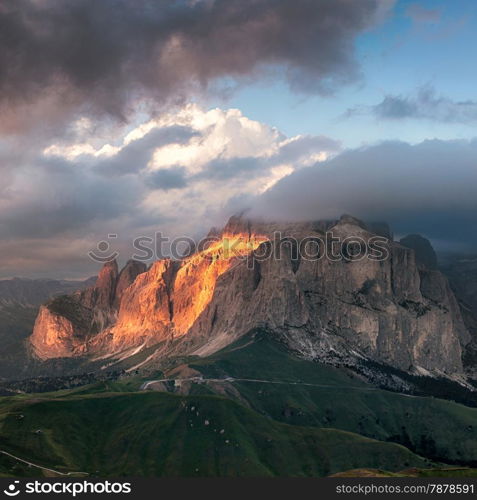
425 254
462 273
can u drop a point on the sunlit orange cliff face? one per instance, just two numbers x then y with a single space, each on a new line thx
161 303
166 301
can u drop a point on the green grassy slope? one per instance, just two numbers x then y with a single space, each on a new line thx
289 417
167 435
438 429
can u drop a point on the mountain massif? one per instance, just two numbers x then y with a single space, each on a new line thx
398 310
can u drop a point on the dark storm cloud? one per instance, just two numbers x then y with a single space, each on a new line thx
430 188
103 53
424 105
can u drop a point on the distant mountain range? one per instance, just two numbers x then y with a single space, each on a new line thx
32 293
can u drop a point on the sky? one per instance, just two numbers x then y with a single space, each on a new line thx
122 118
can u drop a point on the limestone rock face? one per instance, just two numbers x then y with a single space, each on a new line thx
335 302
165 302
53 335
386 310
65 324
126 278
145 312
101 295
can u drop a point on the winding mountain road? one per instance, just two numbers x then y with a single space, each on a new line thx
31 464
199 380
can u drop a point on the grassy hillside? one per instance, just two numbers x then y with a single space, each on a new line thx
275 415
319 395
166 435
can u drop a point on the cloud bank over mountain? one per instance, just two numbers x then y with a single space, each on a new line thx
179 173
427 188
